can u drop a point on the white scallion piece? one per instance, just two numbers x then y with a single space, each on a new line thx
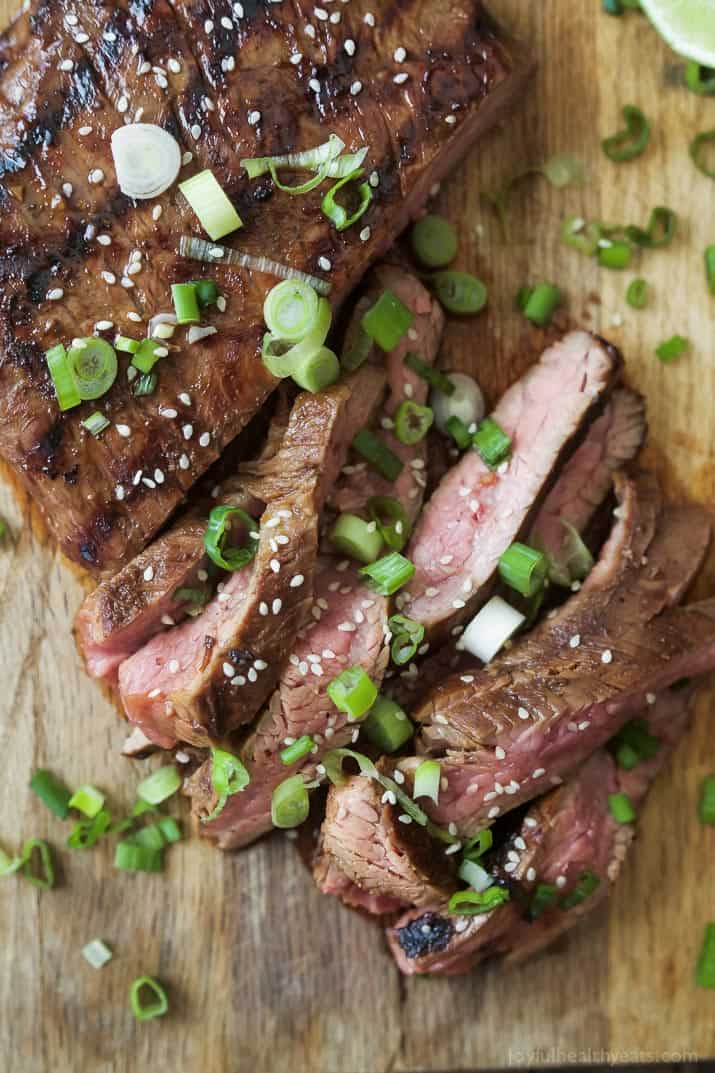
97 953
147 159
211 204
307 159
466 402
197 249
473 874
491 628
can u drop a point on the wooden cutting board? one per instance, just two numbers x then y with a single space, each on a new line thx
264 973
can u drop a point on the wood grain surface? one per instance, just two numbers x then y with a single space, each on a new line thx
264 973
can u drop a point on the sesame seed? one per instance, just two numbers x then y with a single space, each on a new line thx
254 117
499 753
184 462
451 119
148 482
531 874
226 23
512 855
488 796
531 822
520 843
276 606
173 666
104 240
309 30
561 881
400 55
404 818
153 693
314 85
55 294
296 58
238 10
71 20
349 46
538 772
606 656
511 866
187 431
66 65
144 68
400 78
195 131
493 812
188 156
84 131
571 727
122 104
347 627
174 66
355 88
575 641
321 13
167 620
134 317
374 179
296 581
369 19
119 492
325 263
82 38
109 277
335 18
458 604
275 566
208 26
650 698
96 176
204 439
365 234
124 431
252 675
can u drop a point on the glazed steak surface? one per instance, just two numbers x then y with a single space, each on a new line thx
228 81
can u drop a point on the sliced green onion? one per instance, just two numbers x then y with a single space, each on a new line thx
150 837
459 292
283 360
141 807
217 215
206 292
705 971
145 384
524 569
333 763
230 557
170 829
387 725
707 801
434 377
147 998
3 529
710 268
407 636
631 142
634 743
660 232
391 520
387 321
290 803
300 748
60 370
339 216
491 443
198 249
637 294
131 857
616 255
544 898
621 808
86 833
97 953
126 345
434 241
228 777
563 170
539 303
291 310
318 371
9 865
476 847
426 782
356 538
353 692
149 353
581 236
471 903
476 876
94 367
587 883
388 574
459 433
672 349
491 628
412 809
160 785
301 188
87 800
37 866
412 422
186 303
96 423
378 454
305 160
699 149
699 79
345 164
51 792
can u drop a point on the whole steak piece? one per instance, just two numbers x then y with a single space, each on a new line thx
79 258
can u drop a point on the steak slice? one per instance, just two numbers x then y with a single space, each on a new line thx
66 85
476 513
566 834
213 673
347 629
613 439
507 732
331 880
358 481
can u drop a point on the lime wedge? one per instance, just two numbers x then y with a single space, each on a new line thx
687 25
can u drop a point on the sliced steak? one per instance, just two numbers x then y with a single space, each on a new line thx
506 732
476 513
566 834
379 848
347 629
359 481
613 439
200 680
331 880
66 85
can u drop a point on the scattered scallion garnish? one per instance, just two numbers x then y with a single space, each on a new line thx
353 692
560 171
672 349
216 538
637 294
491 443
707 801
297 751
387 321
387 725
434 241
388 574
705 971
660 232
539 303
204 194
544 897
228 777
378 454
186 303
147 998
524 569
427 779
146 384
291 310
631 142
472 903
407 636
699 79
96 423
700 147
198 249
88 800
391 520
290 803
434 377
459 432
587 883
412 422
621 808
339 216
51 792
459 292
614 253
356 538
148 354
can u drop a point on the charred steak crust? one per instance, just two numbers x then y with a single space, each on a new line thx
67 82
